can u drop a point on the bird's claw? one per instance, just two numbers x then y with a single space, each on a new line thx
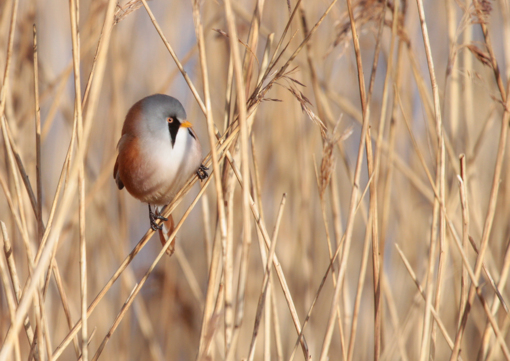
155 227
153 217
202 172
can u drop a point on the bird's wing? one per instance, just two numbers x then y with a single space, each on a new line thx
120 185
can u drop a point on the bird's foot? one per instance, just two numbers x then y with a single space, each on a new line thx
155 216
155 227
202 172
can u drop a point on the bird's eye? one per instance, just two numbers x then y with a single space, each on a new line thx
170 120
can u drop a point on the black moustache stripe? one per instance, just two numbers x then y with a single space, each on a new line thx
173 128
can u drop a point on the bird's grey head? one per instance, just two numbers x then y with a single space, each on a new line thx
163 116
159 107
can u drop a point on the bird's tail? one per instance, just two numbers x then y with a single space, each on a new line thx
164 234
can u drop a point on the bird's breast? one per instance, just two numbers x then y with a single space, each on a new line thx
153 170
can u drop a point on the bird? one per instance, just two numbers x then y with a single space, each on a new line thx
158 152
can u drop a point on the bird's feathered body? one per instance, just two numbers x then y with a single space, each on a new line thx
158 150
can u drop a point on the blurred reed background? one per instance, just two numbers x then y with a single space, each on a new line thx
415 220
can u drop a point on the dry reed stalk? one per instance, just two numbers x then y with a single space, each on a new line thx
174 57
228 185
491 319
454 89
253 39
377 243
207 229
5 84
65 302
21 217
493 353
437 235
61 183
282 73
398 161
139 285
314 224
83 133
141 310
98 69
45 256
360 286
276 326
455 233
323 179
168 210
311 65
355 189
22 226
330 268
493 196
107 286
37 209
214 276
467 94
390 152
242 119
78 119
22 170
62 79
189 274
9 292
393 313
373 170
68 160
465 229
266 280
40 225
481 13
270 310
505 14
336 213
13 273
322 110
495 306
281 277
423 293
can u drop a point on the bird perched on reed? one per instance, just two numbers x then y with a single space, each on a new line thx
158 153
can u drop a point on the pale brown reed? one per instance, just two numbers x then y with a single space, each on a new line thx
370 136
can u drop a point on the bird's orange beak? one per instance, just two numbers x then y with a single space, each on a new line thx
186 124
